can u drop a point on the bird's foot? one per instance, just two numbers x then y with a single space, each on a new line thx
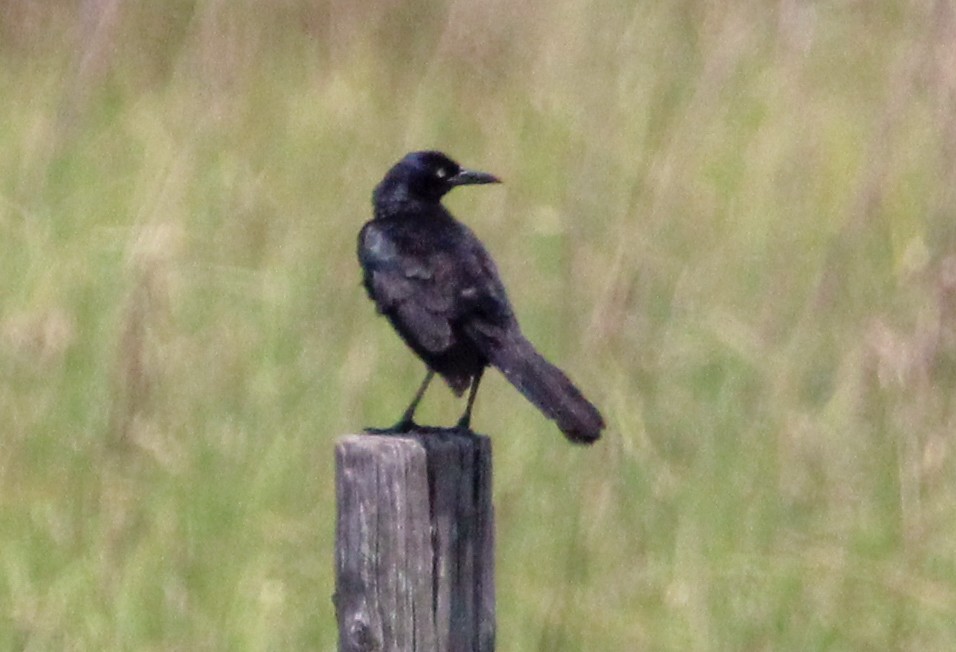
403 427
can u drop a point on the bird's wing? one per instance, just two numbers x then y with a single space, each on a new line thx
482 294
417 291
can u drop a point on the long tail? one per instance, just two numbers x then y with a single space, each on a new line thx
546 387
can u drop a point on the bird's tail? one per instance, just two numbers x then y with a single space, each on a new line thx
547 388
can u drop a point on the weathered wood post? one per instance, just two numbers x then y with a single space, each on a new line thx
414 546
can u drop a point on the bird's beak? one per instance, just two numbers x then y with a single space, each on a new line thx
472 178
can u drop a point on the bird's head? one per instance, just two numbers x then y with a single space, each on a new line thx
426 176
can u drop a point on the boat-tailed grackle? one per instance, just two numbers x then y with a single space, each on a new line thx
436 283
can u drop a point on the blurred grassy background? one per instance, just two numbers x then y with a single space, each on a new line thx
734 223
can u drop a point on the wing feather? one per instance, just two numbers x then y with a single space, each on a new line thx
415 291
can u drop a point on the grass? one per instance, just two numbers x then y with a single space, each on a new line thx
732 224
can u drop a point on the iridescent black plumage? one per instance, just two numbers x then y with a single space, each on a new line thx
436 283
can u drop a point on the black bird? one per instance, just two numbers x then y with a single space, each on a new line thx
436 283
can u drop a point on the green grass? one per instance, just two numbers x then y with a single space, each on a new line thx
731 222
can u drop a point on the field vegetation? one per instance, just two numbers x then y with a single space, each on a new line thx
733 223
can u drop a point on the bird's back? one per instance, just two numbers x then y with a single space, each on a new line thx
437 260
431 277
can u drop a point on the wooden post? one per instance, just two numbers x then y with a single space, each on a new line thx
414 543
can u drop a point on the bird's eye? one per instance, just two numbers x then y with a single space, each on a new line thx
441 173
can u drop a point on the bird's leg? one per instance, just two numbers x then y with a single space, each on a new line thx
406 424
465 421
